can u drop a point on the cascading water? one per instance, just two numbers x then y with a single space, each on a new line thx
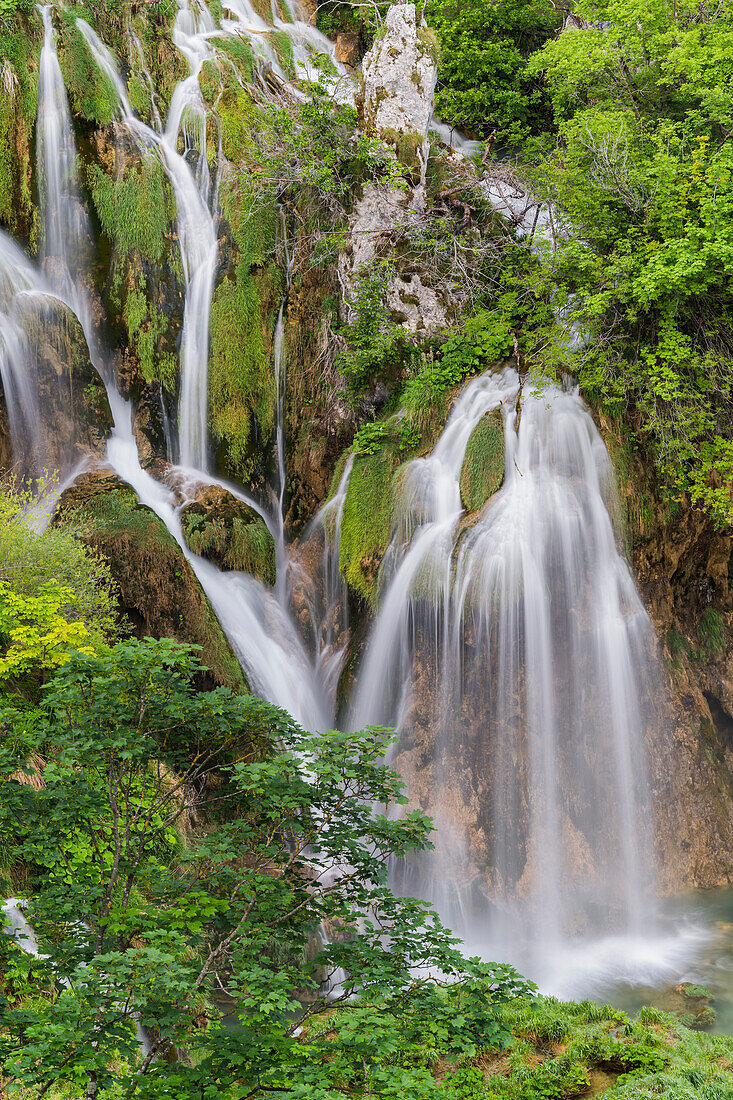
258 629
332 624
19 277
196 232
309 45
515 657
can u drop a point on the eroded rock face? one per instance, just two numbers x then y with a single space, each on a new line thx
378 215
399 73
683 568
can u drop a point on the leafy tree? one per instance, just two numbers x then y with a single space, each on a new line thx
199 858
32 557
33 633
483 83
643 171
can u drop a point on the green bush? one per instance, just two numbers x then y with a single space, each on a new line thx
379 348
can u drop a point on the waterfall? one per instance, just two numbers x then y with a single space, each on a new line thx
196 232
515 657
18 277
65 240
258 628
333 623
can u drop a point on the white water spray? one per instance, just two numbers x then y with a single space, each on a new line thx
515 657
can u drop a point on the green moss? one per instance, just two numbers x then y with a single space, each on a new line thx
406 146
136 212
233 542
636 516
240 118
711 634
160 594
91 94
240 52
366 526
251 216
241 379
483 465
19 50
428 44
284 45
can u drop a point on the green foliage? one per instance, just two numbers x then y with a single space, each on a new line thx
643 169
483 465
375 435
378 347
484 339
144 929
31 560
33 633
10 8
366 524
483 83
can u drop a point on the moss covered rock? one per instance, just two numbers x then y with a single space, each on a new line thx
229 533
19 52
159 592
483 465
366 526
243 314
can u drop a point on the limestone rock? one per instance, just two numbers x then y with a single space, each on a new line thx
399 73
377 215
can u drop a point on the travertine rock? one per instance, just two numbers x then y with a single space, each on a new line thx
400 72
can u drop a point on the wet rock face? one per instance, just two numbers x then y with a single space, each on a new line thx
74 414
159 592
683 567
400 72
319 422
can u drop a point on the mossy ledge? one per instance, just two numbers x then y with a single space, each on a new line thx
230 533
367 520
159 592
482 472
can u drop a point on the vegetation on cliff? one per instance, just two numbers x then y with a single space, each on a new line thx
159 593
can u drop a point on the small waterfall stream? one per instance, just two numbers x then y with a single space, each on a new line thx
196 232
